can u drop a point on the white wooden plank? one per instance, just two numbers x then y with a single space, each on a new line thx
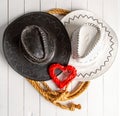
111 91
32 5
48 4
16 8
110 10
79 4
95 97
3 64
118 34
31 96
96 6
15 94
46 107
65 4
111 77
95 91
31 105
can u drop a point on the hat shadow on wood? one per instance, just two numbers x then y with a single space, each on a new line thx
2 28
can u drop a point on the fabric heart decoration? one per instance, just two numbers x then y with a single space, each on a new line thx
70 69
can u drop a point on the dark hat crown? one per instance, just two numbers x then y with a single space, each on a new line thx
35 44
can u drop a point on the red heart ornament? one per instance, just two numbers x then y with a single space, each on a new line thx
68 79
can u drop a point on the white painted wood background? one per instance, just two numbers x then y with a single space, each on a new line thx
19 98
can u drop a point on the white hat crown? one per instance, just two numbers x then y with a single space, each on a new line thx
84 39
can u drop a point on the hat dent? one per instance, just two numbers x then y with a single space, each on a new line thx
35 44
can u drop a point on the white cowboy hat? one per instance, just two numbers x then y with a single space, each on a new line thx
94 44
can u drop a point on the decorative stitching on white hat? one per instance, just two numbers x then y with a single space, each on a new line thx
111 46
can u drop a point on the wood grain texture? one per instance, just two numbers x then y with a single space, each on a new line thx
3 63
32 5
48 4
19 98
79 4
65 4
95 91
118 61
110 89
16 8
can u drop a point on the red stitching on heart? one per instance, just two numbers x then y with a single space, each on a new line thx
70 77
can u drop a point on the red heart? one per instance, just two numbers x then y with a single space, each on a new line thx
70 77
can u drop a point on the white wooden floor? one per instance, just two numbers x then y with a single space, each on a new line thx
18 97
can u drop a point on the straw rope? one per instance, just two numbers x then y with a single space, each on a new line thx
54 96
58 11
